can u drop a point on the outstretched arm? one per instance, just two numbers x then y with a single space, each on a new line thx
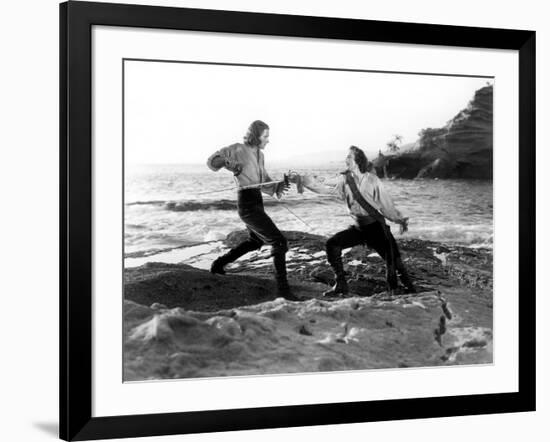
278 188
310 182
270 189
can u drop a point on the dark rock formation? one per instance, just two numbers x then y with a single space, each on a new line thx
463 148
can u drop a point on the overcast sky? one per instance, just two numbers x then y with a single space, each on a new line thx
181 113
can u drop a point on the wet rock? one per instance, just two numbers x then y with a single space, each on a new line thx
449 320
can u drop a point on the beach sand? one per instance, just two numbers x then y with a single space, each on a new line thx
180 321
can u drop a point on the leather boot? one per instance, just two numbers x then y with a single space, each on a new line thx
405 278
283 289
341 286
235 253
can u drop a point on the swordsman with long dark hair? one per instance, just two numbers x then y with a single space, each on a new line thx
246 161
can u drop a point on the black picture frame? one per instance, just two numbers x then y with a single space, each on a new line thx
76 21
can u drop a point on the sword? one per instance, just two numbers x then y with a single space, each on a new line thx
250 186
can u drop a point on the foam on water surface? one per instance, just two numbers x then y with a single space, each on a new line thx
192 254
163 209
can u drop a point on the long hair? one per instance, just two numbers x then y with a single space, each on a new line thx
254 132
360 158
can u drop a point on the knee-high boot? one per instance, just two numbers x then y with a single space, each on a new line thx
283 288
341 286
405 277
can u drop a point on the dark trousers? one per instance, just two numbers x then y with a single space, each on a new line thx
373 236
261 229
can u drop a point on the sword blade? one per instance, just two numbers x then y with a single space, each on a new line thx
250 186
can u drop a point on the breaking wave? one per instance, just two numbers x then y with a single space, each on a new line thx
221 204
476 236
165 209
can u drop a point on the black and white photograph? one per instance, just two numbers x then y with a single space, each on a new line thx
296 219
242 221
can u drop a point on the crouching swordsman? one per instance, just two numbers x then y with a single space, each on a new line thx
369 205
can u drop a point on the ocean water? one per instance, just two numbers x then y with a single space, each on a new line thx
169 206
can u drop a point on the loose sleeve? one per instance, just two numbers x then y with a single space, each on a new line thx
384 201
220 158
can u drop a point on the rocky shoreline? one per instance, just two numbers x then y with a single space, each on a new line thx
181 321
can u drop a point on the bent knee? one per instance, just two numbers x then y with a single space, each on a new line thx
252 244
255 245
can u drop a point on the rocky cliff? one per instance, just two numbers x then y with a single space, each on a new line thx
463 148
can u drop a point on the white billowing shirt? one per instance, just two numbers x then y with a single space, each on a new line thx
370 187
251 159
